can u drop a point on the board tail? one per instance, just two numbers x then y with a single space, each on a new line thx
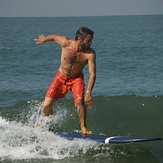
124 140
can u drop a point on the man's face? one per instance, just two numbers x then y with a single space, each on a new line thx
86 42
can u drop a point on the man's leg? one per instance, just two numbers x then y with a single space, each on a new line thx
47 106
82 115
45 121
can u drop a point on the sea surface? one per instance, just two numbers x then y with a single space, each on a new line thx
128 94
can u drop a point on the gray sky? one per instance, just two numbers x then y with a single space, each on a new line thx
55 8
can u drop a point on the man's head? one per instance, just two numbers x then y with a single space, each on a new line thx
84 35
83 32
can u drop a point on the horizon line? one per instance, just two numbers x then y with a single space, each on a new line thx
78 16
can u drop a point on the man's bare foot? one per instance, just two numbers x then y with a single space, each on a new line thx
85 131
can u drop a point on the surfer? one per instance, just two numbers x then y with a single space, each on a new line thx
75 55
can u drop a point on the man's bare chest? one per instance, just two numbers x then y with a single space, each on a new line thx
76 58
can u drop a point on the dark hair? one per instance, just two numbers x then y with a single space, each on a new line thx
82 32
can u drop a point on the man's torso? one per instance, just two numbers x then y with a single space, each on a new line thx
72 61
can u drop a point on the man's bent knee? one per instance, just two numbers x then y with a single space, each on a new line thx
48 102
47 106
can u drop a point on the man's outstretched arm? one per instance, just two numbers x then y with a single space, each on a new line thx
61 40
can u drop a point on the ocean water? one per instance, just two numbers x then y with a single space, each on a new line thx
128 94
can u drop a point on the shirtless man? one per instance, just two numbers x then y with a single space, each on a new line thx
75 55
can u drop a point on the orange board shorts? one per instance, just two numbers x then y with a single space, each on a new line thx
61 84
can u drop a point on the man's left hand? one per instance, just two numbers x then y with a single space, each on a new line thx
88 100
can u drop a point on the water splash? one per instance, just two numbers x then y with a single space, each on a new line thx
18 141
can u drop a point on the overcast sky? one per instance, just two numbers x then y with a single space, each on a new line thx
55 8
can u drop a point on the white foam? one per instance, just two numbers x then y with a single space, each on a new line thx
22 141
3 121
18 141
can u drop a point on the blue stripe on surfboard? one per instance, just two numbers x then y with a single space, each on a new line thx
104 139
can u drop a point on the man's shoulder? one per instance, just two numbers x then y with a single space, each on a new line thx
67 41
91 54
91 51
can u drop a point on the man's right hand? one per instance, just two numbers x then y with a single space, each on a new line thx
40 40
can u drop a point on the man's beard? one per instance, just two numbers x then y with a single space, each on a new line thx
85 47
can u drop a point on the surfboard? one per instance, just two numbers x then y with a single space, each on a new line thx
104 139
